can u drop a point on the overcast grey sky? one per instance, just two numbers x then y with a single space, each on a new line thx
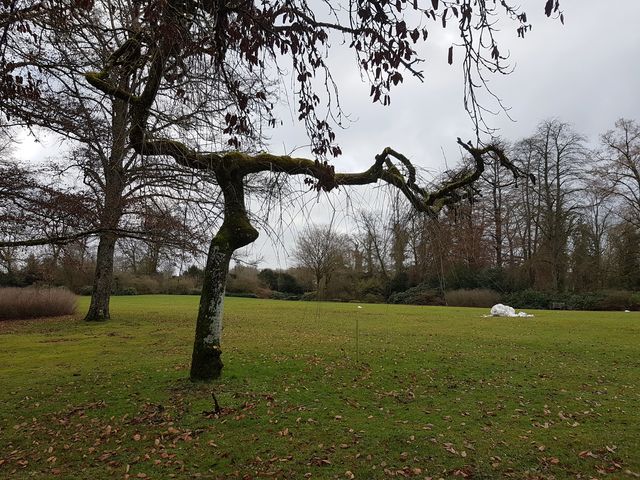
586 72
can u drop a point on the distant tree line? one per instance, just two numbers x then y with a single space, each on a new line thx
570 226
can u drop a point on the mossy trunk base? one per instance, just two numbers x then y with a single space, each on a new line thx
97 315
206 364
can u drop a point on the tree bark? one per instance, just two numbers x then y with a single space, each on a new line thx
99 307
206 361
236 232
114 183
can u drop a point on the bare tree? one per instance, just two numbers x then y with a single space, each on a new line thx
9 175
597 218
556 156
620 168
400 213
624 256
322 250
46 91
498 185
33 213
376 242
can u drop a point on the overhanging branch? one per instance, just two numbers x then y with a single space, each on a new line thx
121 233
322 175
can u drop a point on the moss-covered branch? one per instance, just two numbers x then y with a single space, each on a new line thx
389 166
326 179
99 81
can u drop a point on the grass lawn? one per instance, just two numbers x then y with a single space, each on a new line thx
438 392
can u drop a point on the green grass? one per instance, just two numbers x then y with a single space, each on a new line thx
438 392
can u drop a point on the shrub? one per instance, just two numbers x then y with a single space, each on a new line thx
309 296
10 280
126 291
240 294
372 298
85 290
418 295
195 272
263 293
284 296
529 299
268 278
180 285
243 279
581 301
279 281
17 303
634 301
288 284
399 283
140 284
477 297
369 286
605 300
614 300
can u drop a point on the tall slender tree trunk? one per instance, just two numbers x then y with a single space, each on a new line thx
358 260
369 255
153 258
114 183
497 219
103 277
236 232
320 292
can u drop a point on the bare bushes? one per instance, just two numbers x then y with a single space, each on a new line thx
18 303
478 297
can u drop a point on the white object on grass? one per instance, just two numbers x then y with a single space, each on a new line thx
500 310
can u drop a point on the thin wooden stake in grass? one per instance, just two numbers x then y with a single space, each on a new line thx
216 405
216 408
357 341
358 336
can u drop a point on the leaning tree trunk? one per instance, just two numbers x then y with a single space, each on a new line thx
206 362
236 232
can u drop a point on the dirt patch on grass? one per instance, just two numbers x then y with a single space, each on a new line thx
36 324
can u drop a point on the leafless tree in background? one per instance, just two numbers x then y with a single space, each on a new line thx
47 92
323 251
621 167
